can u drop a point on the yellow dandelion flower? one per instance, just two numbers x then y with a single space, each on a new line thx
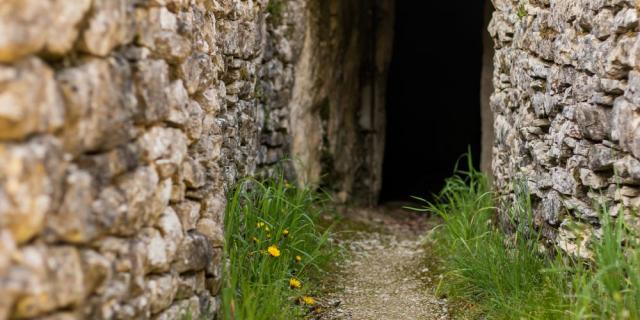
260 224
308 300
295 283
298 258
285 232
273 251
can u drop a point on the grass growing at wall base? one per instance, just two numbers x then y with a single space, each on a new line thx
506 275
274 251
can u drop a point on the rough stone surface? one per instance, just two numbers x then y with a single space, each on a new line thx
124 123
566 111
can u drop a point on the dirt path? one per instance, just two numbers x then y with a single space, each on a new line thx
384 274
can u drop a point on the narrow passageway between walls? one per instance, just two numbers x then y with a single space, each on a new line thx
385 273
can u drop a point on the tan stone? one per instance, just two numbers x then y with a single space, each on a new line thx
189 213
171 229
111 24
29 178
167 147
161 290
23 27
101 104
97 270
151 248
152 80
66 16
139 190
29 100
158 31
56 280
212 230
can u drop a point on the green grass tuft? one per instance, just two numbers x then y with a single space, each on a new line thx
256 284
497 274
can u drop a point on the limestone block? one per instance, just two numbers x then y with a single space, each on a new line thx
189 213
23 25
194 254
55 280
166 147
111 24
592 180
594 121
626 126
101 105
139 198
212 230
30 99
74 221
30 177
602 158
193 173
171 229
27 26
197 72
151 248
552 208
563 180
178 99
66 16
209 100
158 31
97 270
161 291
194 126
628 168
151 79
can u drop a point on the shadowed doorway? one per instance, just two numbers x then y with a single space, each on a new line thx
433 102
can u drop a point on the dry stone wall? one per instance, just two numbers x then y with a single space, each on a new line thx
567 112
123 123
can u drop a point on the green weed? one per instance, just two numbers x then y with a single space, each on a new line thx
500 274
271 237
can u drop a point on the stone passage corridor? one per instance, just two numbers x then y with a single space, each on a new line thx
384 274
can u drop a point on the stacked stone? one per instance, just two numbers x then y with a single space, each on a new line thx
285 27
122 123
567 112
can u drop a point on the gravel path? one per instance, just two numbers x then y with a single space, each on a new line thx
384 275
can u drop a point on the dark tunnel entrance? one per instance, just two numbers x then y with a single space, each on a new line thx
433 101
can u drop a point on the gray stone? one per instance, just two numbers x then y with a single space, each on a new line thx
594 121
602 158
